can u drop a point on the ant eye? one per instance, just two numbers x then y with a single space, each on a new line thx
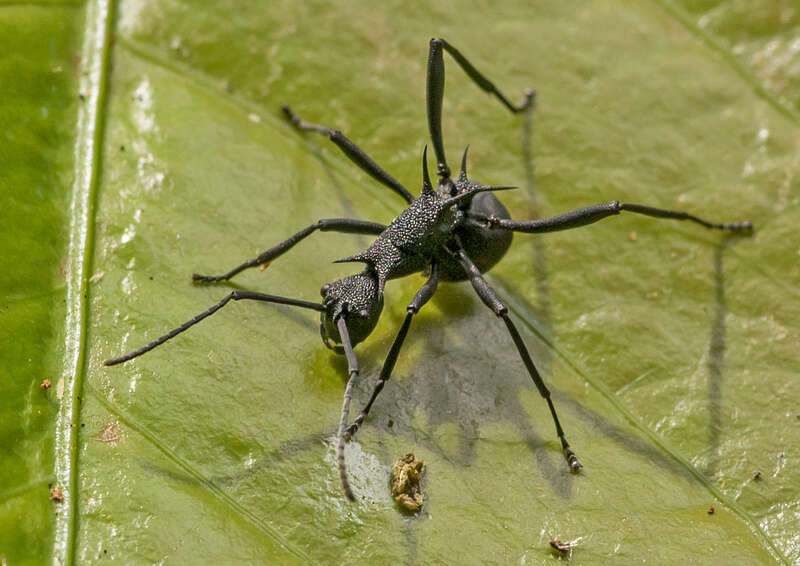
324 289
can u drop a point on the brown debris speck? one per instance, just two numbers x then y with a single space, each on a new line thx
46 384
110 433
564 547
711 510
406 477
56 495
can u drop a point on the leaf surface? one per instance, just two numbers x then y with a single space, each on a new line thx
670 350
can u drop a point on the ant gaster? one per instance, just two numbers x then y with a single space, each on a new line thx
453 233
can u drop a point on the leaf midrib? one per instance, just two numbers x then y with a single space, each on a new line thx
89 141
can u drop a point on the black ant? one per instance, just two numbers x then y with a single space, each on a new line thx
454 233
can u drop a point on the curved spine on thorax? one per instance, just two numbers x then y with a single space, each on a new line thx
412 239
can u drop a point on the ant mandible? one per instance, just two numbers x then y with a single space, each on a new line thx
454 233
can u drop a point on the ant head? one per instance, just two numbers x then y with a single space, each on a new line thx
358 299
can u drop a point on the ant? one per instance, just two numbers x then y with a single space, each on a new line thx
456 232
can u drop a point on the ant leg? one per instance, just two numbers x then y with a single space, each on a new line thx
423 295
491 300
351 150
436 93
352 371
234 296
591 214
344 225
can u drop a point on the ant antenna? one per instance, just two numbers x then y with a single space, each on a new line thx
352 370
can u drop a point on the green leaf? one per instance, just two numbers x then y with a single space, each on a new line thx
38 112
671 350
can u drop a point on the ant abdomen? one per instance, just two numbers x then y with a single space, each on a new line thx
483 245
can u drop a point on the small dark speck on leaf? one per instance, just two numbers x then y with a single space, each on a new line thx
711 510
390 424
122 148
756 475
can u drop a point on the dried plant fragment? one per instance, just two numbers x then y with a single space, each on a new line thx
110 433
565 547
406 478
56 495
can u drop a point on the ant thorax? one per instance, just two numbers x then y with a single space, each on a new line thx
412 239
425 226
